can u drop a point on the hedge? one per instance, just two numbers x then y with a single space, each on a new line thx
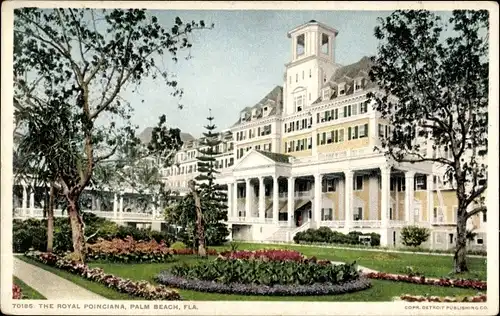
326 235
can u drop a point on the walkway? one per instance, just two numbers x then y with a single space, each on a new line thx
50 285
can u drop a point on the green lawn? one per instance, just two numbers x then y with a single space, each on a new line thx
428 265
380 291
28 292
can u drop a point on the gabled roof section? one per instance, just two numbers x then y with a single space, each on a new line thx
281 158
349 74
274 100
353 70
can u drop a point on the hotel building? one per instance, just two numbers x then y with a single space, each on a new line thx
304 157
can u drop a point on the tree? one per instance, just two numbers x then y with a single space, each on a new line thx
414 236
434 91
205 227
212 195
80 61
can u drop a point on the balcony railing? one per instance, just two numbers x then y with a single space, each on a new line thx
20 213
332 224
366 223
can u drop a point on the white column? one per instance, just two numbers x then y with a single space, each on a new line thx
291 200
115 206
314 144
262 202
409 197
155 209
121 205
276 200
430 198
318 188
349 175
230 199
32 202
24 211
248 200
385 172
235 193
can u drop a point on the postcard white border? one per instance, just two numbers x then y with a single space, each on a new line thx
235 307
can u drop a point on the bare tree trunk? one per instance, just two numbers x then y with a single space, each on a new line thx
199 221
460 257
77 229
50 219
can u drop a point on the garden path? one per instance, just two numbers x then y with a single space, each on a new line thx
50 285
360 268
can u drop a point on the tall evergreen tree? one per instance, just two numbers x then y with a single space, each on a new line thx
213 196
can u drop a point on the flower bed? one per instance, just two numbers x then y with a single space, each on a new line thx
129 250
468 284
142 289
259 275
132 251
266 254
17 294
417 298
258 289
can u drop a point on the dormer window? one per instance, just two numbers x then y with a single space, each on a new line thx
358 84
341 89
326 94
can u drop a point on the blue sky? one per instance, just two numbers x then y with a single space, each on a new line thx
238 62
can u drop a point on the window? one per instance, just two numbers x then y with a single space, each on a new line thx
391 215
363 131
421 182
326 94
310 143
302 74
349 133
310 75
336 114
331 185
363 107
355 133
479 241
358 214
484 217
380 130
358 183
354 109
296 77
341 135
326 214
300 44
325 43
357 85
450 237
329 138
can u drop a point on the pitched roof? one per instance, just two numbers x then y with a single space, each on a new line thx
352 70
281 158
274 96
145 136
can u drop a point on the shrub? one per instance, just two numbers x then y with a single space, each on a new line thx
326 235
414 236
129 250
178 245
17 294
228 271
141 289
255 289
